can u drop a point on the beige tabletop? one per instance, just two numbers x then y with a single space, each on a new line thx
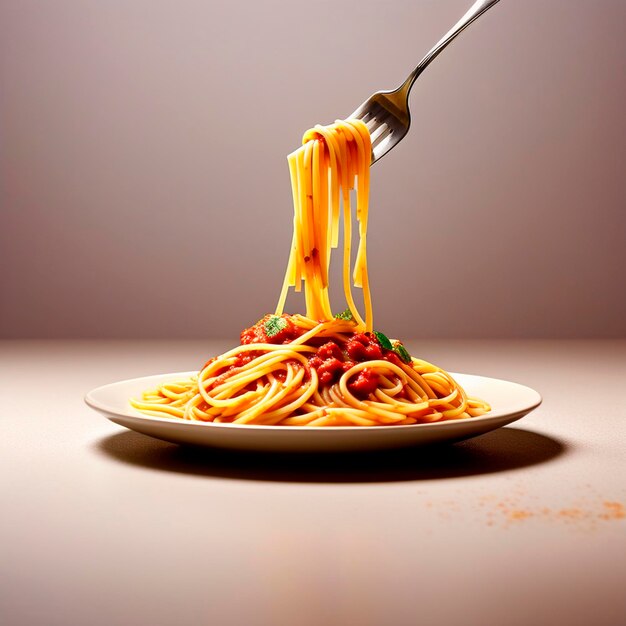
524 525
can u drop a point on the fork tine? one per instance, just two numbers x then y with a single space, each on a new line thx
379 133
382 133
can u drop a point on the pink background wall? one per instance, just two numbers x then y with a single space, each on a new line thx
145 190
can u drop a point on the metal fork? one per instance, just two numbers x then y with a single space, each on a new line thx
386 113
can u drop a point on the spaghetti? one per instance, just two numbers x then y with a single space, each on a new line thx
320 369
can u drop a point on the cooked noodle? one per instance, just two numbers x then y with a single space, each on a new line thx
320 369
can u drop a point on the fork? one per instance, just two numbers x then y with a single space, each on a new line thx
386 113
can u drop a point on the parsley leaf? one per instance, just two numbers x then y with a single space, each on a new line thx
383 340
345 315
401 351
273 325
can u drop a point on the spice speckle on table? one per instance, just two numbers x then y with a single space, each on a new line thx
587 513
584 516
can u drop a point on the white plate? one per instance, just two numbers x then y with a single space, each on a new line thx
509 402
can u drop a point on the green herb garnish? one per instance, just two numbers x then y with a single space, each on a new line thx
401 351
346 316
274 324
383 340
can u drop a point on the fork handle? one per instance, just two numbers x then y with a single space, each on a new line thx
475 11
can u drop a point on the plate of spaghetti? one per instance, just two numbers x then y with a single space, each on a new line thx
509 402
321 380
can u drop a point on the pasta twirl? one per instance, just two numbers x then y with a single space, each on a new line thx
319 369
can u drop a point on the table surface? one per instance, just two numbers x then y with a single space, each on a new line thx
524 525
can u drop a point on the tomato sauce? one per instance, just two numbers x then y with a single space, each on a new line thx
331 360
258 334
